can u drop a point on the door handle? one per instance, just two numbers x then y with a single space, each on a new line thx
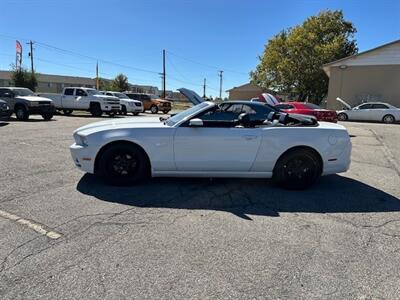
249 137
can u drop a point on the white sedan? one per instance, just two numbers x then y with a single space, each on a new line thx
369 111
293 149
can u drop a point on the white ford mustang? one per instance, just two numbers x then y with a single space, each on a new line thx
295 150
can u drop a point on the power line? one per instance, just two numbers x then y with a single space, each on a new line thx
206 65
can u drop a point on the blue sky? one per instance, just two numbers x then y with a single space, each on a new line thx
200 37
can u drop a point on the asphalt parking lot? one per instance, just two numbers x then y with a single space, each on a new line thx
195 238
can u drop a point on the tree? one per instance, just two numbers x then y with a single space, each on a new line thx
120 83
292 60
20 77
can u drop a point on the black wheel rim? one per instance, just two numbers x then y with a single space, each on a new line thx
20 113
122 164
300 169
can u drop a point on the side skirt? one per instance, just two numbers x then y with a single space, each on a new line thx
212 174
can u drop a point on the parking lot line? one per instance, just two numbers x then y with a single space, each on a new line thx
32 225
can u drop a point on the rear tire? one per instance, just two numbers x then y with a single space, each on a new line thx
154 109
47 116
342 117
297 169
388 119
122 164
95 110
21 113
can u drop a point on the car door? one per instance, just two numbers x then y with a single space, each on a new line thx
80 101
378 111
68 99
361 112
146 100
214 148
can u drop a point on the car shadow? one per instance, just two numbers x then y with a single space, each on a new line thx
244 197
2 123
32 120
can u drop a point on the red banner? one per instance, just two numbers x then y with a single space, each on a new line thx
18 47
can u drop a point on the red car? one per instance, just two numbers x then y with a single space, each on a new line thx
306 108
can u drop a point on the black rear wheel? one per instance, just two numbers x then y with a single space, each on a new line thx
122 164
154 109
297 169
67 112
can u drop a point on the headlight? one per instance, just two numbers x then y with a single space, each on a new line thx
80 139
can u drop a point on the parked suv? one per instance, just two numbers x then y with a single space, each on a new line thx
23 103
128 105
151 102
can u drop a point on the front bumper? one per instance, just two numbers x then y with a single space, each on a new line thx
134 109
83 157
39 110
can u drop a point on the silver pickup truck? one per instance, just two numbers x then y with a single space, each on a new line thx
81 98
23 102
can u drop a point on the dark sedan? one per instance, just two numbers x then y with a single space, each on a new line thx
4 109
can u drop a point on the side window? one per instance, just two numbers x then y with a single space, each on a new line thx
80 92
109 94
248 110
235 108
69 92
145 98
365 106
2 92
379 106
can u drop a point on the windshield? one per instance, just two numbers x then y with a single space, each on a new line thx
23 92
93 92
120 95
186 113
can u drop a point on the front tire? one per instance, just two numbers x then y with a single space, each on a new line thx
123 110
122 164
154 109
47 116
342 117
95 110
388 119
21 113
297 169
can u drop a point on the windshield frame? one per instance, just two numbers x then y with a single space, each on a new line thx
93 92
16 92
188 114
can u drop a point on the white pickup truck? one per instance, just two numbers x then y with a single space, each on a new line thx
81 98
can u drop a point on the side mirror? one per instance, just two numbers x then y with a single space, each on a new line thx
196 122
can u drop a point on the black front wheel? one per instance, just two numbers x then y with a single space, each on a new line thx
122 164
297 169
154 109
342 117
95 110
21 113
47 116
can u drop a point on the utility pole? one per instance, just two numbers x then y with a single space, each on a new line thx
204 89
220 83
164 75
97 76
31 55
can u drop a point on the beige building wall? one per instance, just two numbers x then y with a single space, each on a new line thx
243 95
357 84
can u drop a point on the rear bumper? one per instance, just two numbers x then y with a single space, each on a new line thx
341 164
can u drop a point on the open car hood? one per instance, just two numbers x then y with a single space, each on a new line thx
268 98
343 102
191 95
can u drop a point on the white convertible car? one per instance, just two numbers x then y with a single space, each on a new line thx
369 111
293 149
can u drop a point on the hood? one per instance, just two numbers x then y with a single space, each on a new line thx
106 97
268 98
191 95
123 123
343 102
33 98
162 100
